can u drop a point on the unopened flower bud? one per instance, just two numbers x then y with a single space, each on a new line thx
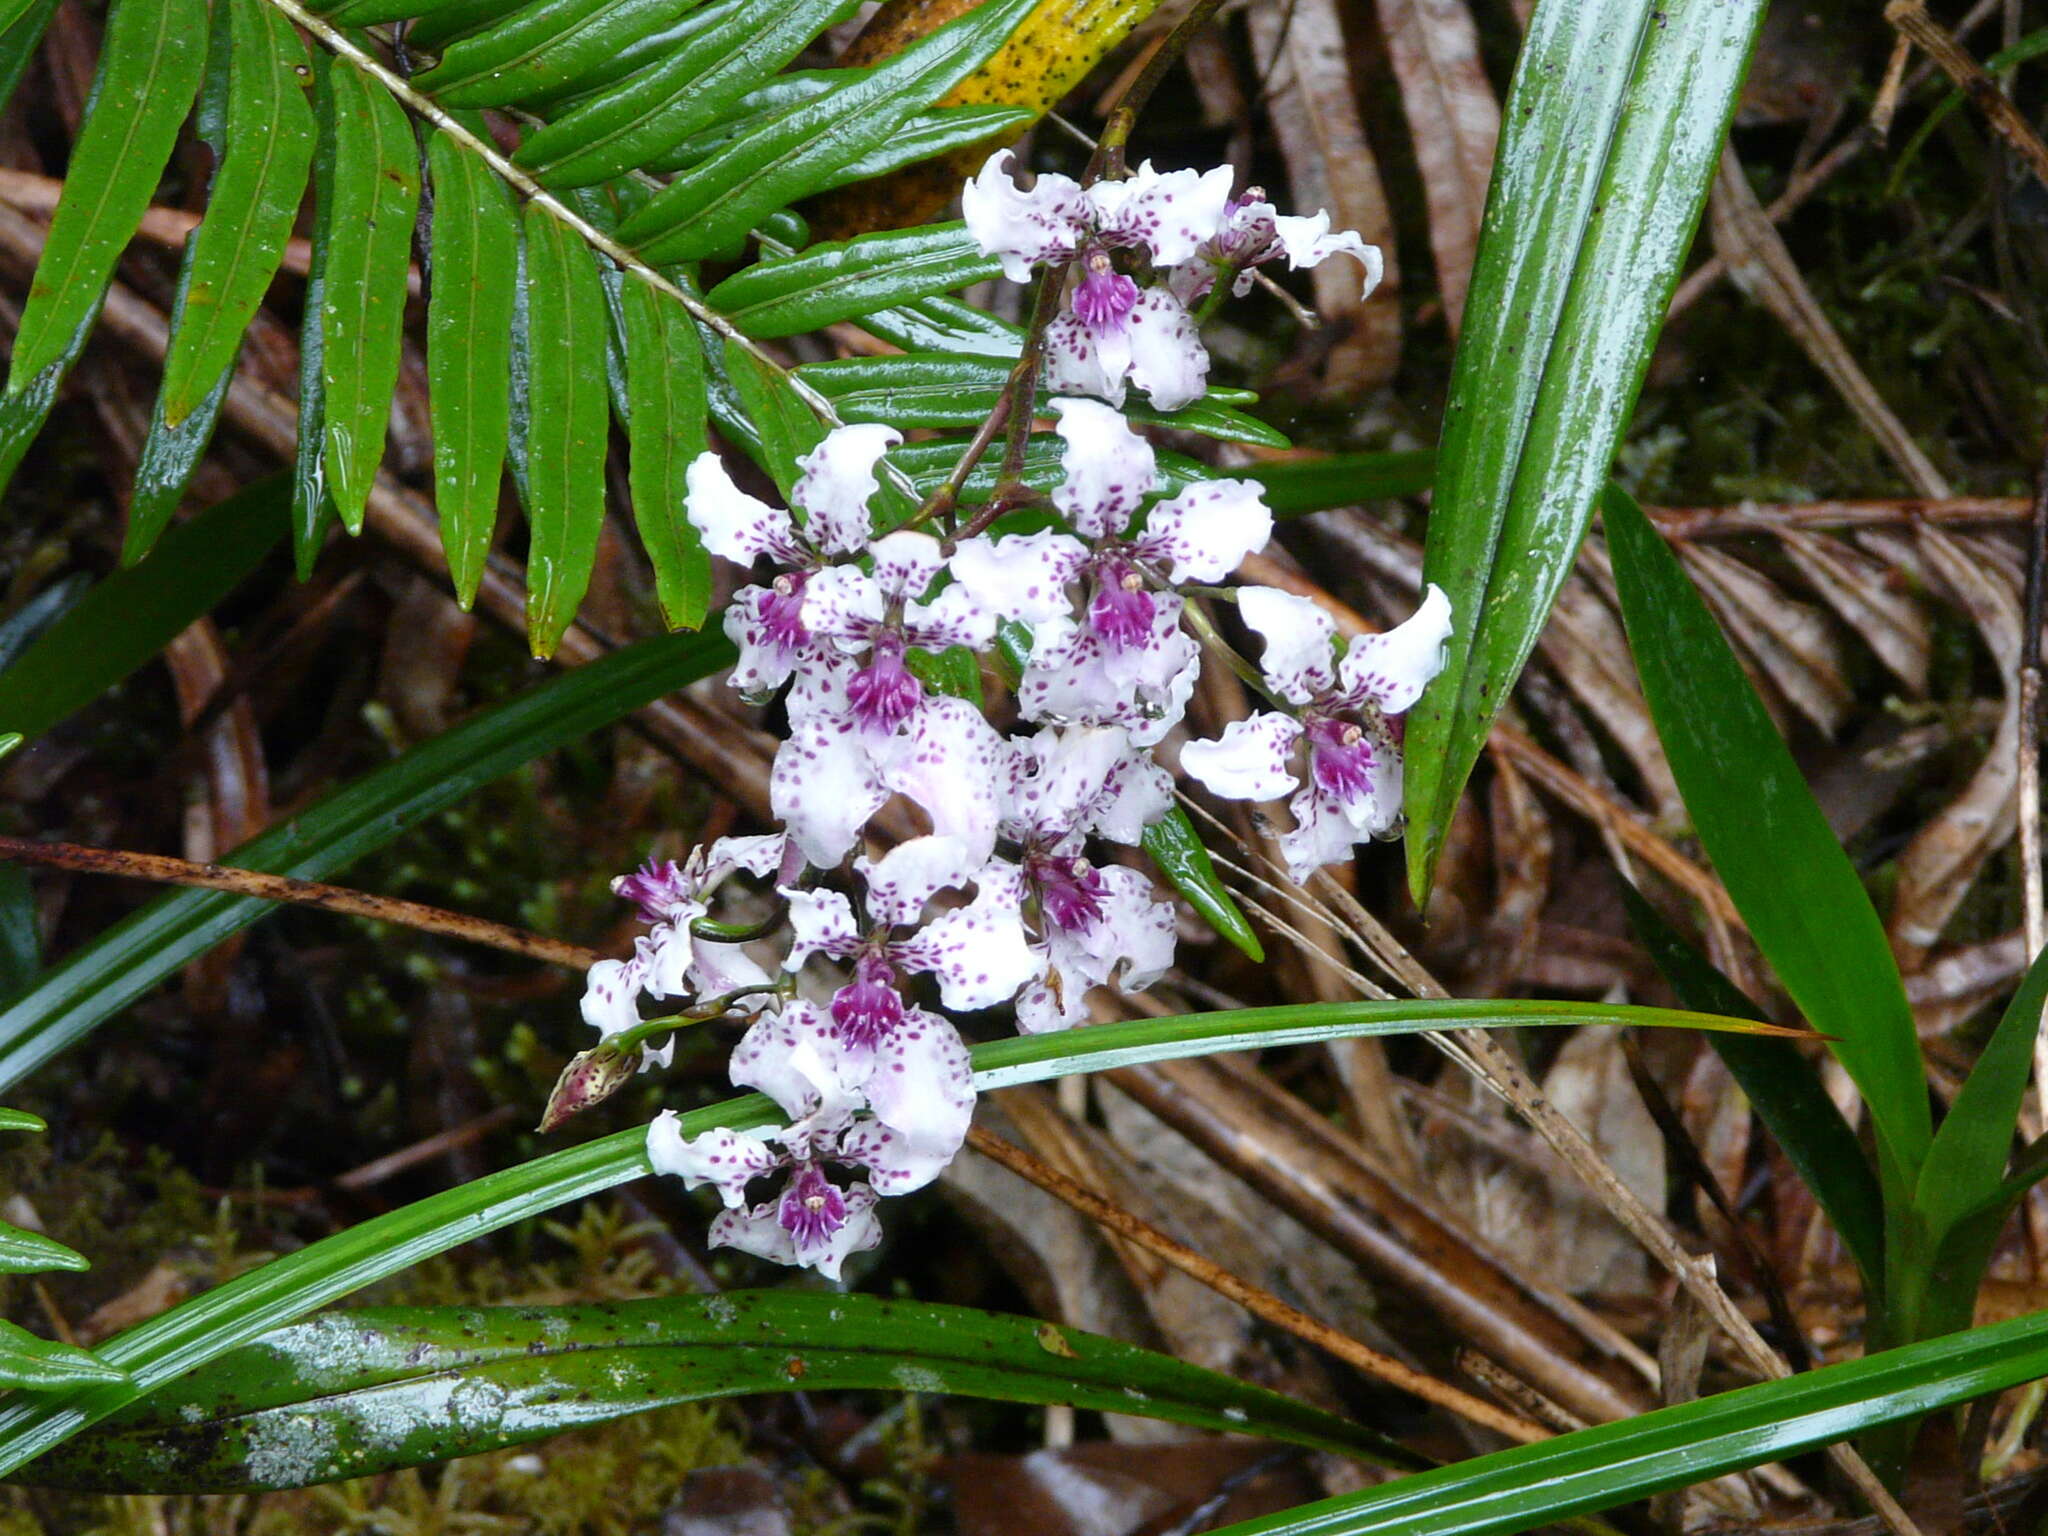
590 1078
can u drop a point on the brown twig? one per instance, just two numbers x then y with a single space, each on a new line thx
1910 18
1773 517
164 870
1260 1303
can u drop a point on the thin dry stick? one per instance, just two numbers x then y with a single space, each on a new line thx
163 870
1260 1303
1911 18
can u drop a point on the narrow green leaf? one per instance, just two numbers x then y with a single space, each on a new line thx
1773 849
785 428
1611 132
150 66
132 615
1342 480
362 311
945 325
1615 1464
438 22
31 1253
1786 1092
691 83
567 425
268 150
102 977
519 61
665 427
928 135
21 1119
710 207
469 352
386 1383
22 24
789 295
1178 852
957 390
313 509
37 1365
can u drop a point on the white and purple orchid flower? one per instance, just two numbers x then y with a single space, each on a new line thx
1116 332
1347 718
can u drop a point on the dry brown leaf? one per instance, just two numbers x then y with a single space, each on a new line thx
1870 599
1313 104
1454 121
1789 641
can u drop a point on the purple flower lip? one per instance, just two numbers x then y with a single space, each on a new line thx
869 1007
782 612
883 694
1341 758
1122 610
654 888
812 1209
1105 296
1070 891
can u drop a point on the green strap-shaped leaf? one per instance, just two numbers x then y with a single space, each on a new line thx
711 207
1771 846
1611 1465
207 1326
954 390
22 23
665 386
1609 140
388 1386
1178 852
268 150
102 977
793 294
21 1119
265 138
784 428
690 84
39 1365
469 352
928 135
1343 480
149 71
1786 1092
515 62
568 418
362 310
946 325
313 509
125 620
30 1253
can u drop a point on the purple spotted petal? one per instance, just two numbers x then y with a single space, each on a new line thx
1109 468
824 787
1170 213
837 480
1021 576
1297 660
1168 360
1391 670
1252 760
734 525
1203 533
729 1159
1022 228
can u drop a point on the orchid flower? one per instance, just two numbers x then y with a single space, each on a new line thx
1346 714
1125 659
1252 233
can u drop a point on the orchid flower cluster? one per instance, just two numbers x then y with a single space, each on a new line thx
1183 230
1014 898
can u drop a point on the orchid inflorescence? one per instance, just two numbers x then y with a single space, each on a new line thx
1006 901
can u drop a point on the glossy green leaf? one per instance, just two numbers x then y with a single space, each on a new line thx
623 69
665 384
566 428
313 509
1615 1464
150 66
789 295
30 1253
38 1365
545 48
273 1294
395 1387
439 21
956 390
22 24
1795 888
267 149
132 615
785 429
928 135
711 207
1786 1092
1609 139
21 1120
691 83
469 352
1294 486
1178 852
945 325
362 310
102 977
